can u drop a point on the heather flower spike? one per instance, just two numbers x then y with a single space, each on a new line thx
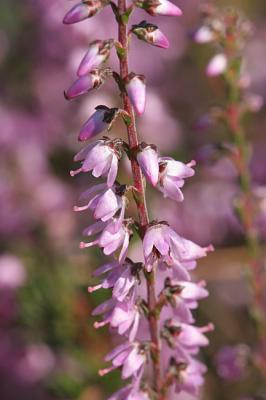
159 7
136 89
151 34
83 10
149 322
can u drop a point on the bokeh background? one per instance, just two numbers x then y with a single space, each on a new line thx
48 348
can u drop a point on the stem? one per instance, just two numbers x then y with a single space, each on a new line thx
248 217
141 202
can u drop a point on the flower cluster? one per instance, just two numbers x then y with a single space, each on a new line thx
173 340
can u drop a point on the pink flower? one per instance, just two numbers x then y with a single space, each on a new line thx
101 158
160 241
136 89
217 65
97 54
172 175
190 377
105 203
203 35
160 7
147 158
151 34
121 315
98 122
129 356
85 84
114 236
84 10
122 278
189 337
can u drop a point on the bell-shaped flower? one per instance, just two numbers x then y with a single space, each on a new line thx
101 158
124 316
162 242
130 356
86 83
190 377
159 7
114 236
97 123
189 337
172 175
151 34
83 10
147 158
136 89
105 203
217 65
97 54
122 278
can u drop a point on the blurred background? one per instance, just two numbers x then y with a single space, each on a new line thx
48 348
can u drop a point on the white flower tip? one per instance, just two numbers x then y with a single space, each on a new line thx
217 65
82 245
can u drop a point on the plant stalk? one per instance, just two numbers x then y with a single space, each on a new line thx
141 201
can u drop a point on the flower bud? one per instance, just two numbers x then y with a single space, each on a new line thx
96 55
136 89
151 34
217 65
203 35
85 83
159 7
98 122
83 10
148 162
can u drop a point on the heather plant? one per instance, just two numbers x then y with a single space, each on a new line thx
228 33
152 298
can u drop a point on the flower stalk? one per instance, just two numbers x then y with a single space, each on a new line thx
166 349
139 186
229 32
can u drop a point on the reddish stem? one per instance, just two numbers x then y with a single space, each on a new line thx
141 201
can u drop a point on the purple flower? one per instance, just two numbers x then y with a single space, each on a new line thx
159 7
114 236
147 158
123 278
188 337
105 203
85 84
84 10
190 377
172 175
136 89
97 54
217 65
160 241
101 158
231 362
151 34
98 122
121 315
129 356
